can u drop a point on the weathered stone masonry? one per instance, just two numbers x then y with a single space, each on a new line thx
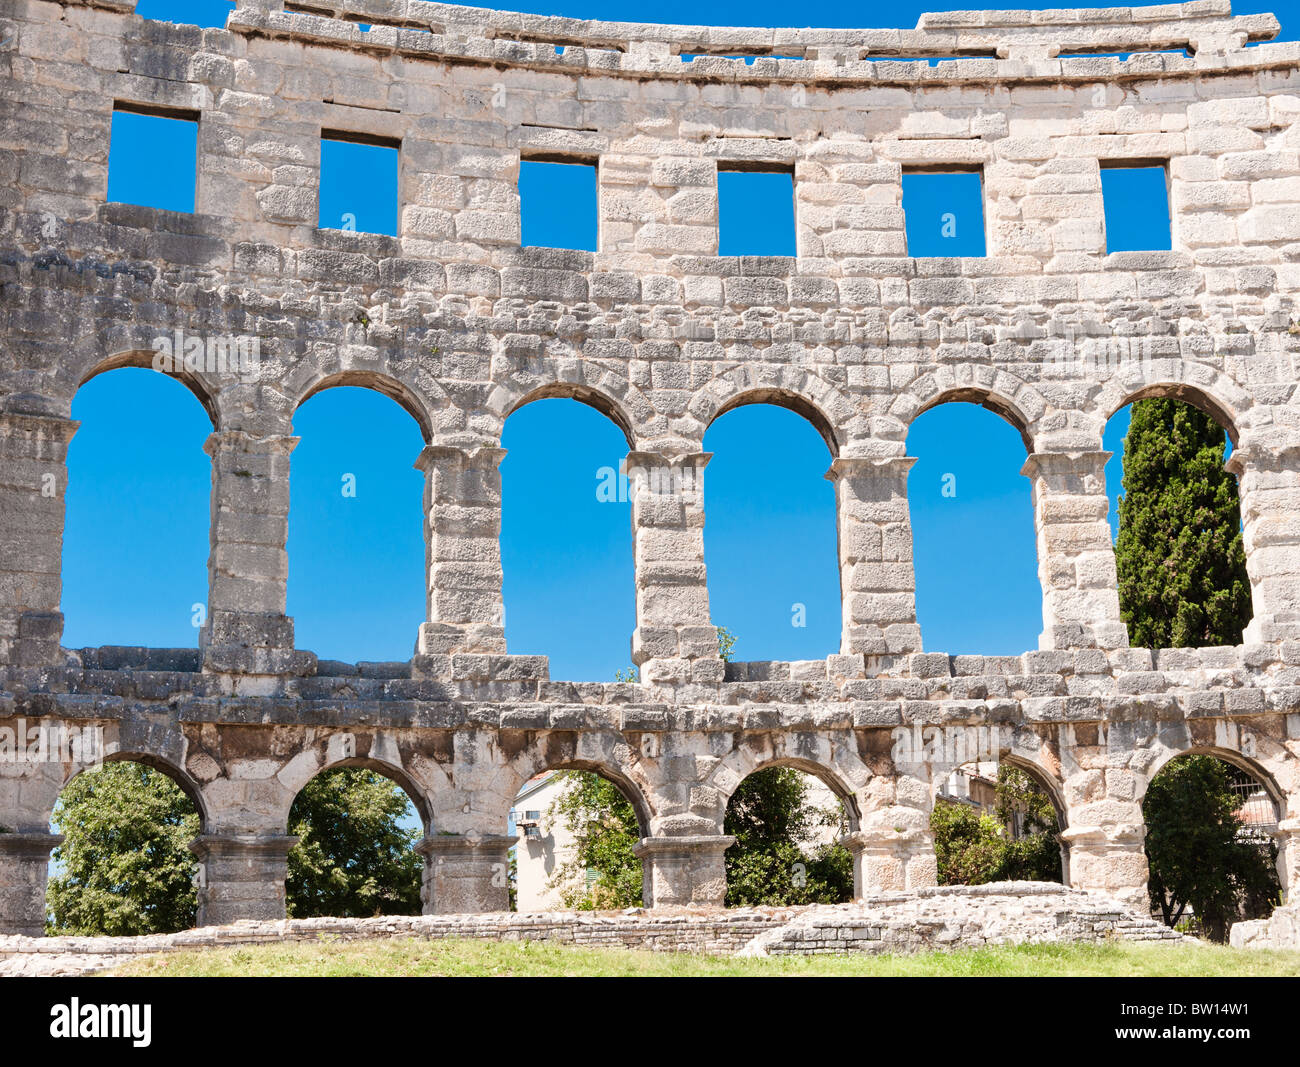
462 326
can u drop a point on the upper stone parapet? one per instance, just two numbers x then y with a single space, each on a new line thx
1202 26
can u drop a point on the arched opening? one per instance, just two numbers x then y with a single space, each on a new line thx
135 539
787 821
356 543
566 549
771 513
357 826
973 541
1176 520
997 821
1211 856
577 827
124 867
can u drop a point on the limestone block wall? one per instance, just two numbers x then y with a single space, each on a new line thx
461 325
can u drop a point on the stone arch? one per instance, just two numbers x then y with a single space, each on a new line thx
178 776
1016 403
1043 778
609 755
520 390
303 769
205 391
1255 767
1204 388
829 411
832 762
407 398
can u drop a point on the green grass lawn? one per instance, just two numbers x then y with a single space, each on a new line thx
409 956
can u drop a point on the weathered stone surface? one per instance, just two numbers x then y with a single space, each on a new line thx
461 326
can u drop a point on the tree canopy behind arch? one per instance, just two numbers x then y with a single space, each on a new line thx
126 864
354 858
1179 554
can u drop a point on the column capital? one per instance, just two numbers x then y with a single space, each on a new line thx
233 439
271 846
870 467
1055 464
432 844
483 456
29 846
32 435
687 844
696 460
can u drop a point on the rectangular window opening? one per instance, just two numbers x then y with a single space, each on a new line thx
1135 198
943 211
755 209
358 182
153 157
557 202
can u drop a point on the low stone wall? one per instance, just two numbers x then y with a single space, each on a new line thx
944 918
1279 930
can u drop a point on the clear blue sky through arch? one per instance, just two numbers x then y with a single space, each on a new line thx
356 583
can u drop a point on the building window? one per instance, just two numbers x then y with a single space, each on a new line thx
1135 197
358 182
943 211
153 157
557 204
755 210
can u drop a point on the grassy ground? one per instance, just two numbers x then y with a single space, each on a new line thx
401 956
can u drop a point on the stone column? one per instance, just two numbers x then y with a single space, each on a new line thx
1076 556
877 579
1287 839
462 523
247 632
241 876
33 479
465 874
675 640
1110 859
682 871
24 872
1269 485
887 859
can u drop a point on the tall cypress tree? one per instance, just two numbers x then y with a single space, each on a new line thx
1179 554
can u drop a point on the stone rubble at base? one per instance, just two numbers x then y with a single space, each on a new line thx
956 917
461 326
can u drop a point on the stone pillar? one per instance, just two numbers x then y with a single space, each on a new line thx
1287 839
682 871
1268 482
877 579
675 640
462 524
247 632
24 872
33 479
1110 859
465 874
887 859
1076 556
241 876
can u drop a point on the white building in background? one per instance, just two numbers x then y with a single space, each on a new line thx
545 845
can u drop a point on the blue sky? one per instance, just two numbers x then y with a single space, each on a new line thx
356 564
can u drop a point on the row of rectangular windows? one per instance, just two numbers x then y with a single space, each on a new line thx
152 160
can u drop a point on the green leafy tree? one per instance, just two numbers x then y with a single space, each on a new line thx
770 816
125 862
1198 852
1179 554
354 858
1017 843
968 845
604 871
